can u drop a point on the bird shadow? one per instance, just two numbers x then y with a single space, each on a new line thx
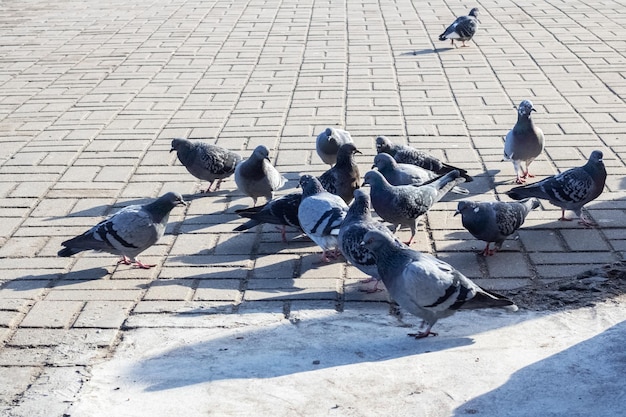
426 51
585 366
54 279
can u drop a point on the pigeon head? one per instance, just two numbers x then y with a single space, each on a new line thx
474 12
261 152
465 207
384 161
375 239
525 108
596 157
179 144
346 151
383 144
160 208
310 185
373 178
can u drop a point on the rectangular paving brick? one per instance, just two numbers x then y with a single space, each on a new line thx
52 314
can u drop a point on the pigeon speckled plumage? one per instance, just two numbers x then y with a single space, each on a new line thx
426 286
408 155
282 211
524 142
328 143
406 174
256 176
462 29
402 205
569 190
494 221
344 177
128 232
359 221
205 161
320 215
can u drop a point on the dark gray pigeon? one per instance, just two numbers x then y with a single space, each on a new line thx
256 176
569 190
402 205
128 232
426 286
344 177
406 174
408 155
205 161
328 143
494 221
359 221
462 29
524 142
282 211
320 215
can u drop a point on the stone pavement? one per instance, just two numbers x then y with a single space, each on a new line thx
93 92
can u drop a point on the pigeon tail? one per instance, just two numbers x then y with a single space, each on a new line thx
487 299
68 251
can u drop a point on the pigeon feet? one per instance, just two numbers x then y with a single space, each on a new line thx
422 335
143 266
373 289
126 261
487 251
520 180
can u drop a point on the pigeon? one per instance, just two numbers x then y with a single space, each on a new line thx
206 162
128 232
282 211
359 221
408 155
569 190
425 286
524 142
406 174
320 215
256 176
462 29
401 205
494 221
328 143
344 177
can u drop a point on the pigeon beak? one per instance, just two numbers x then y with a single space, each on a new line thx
362 243
358 151
182 203
373 166
172 150
456 212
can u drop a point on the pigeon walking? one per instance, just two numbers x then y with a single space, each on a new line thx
282 211
205 161
402 205
408 155
128 232
524 142
320 215
256 176
494 221
357 223
426 286
344 177
406 174
462 29
569 190
328 143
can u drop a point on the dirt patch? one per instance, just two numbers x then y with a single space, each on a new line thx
584 290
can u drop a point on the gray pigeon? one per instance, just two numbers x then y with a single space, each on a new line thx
462 29
344 177
256 176
494 221
408 155
402 205
205 161
282 211
359 221
128 232
524 142
569 190
320 215
328 143
406 174
426 286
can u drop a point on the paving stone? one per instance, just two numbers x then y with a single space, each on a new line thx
53 314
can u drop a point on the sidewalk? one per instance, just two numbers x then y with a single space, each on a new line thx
235 323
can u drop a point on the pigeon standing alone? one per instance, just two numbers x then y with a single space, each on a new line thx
494 221
282 211
328 143
320 215
524 142
402 205
426 286
404 154
569 190
205 161
462 29
344 177
128 232
256 176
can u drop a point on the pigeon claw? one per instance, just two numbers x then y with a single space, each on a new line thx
520 180
143 266
422 335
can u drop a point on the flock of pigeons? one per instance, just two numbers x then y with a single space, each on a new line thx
336 214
